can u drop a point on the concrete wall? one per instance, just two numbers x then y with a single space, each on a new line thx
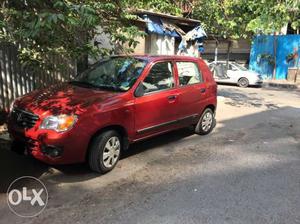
160 45
141 47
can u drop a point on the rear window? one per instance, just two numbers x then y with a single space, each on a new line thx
188 73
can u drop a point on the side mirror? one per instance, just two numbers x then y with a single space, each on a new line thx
139 91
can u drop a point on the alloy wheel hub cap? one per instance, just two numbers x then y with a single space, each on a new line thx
111 152
207 121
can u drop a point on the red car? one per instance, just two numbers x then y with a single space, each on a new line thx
118 101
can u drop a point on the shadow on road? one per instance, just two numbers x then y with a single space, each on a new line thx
235 85
14 165
238 98
158 141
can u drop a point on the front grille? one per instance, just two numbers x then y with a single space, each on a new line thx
23 118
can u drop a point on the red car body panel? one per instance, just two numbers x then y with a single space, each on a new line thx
138 117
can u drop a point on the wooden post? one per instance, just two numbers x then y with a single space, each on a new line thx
228 54
216 51
297 66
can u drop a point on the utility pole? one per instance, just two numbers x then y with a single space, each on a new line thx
228 53
216 51
297 64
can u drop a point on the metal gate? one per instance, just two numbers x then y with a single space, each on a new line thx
17 80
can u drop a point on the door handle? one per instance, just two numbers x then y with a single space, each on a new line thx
202 90
172 97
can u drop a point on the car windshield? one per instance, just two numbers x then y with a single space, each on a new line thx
240 67
115 73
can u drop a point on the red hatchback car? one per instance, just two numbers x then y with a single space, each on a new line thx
118 101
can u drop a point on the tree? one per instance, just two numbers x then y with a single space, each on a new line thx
244 18
45 27
272 15
233 19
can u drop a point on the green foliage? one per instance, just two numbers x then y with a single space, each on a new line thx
272 15
227 19
266 57
291 57
243 18
66 27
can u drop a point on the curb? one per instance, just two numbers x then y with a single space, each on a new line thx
281 85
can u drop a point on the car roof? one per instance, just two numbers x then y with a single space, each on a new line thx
161 57
223 62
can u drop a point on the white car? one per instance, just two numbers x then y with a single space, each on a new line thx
235 74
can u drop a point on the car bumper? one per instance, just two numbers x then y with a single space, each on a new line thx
49 147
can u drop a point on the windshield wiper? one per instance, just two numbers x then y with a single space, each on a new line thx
84 84
89 85
114 88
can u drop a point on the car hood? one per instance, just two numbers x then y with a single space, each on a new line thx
62 98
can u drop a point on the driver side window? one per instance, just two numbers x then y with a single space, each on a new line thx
159 78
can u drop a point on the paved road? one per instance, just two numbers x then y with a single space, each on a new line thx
246 171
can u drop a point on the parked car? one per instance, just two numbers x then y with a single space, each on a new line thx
235 74
118 101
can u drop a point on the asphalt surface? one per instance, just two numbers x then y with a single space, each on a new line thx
246 171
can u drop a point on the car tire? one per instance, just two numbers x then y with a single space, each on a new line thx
206 123
243 82
17 147
105 151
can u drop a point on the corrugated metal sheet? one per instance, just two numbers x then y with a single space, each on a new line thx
16 80
266 45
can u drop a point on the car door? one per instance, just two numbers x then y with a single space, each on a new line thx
233 73
220 72
192 91
155 110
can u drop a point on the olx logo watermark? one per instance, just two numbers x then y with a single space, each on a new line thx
27 196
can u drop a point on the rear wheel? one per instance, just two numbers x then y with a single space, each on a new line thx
105 151
243 82
206 122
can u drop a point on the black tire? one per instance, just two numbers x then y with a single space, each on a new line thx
204 130
18 147
243 82
97 150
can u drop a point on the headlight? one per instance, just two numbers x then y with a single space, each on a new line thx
59 123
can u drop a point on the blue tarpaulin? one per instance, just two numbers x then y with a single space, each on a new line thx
263 59
195 34
155 25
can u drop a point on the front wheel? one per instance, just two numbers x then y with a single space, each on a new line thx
206 122
105 151
243 82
